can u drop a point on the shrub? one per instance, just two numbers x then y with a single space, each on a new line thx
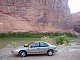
47 39
63 39
69 34
35 34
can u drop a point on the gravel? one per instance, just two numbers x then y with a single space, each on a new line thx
64 53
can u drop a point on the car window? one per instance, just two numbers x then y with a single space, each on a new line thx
35 44
43 44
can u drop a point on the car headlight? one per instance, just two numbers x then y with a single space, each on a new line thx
55 47
16 50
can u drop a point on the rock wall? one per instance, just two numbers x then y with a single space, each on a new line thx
35 16
76 21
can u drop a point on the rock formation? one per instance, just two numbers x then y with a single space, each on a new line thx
35 16
76 20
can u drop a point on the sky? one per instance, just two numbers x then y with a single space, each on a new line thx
74 5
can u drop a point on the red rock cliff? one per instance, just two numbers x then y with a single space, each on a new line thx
76 21
35 15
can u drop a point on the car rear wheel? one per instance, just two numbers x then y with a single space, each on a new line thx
50 53
22 53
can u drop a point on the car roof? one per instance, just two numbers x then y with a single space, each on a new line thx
39 41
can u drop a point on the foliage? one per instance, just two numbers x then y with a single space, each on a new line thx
47 39
63 39
69 34
35 34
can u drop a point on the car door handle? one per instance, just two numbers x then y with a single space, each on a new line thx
37 48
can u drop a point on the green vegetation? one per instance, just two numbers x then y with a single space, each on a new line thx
63 39
35 34
27 37
47 39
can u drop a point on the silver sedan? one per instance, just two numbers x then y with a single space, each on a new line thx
38 47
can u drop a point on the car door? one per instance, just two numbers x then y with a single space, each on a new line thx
33 48
43 47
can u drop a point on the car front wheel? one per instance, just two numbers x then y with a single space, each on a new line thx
22 53
50 53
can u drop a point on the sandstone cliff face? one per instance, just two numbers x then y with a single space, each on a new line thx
35 15
76 20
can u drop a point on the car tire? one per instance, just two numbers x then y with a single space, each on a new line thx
22 54
50 52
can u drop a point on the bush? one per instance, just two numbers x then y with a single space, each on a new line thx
47 39
63 39
35 34
69 34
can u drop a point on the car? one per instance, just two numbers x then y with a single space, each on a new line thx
37 47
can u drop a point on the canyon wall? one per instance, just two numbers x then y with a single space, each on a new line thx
35 16
76 21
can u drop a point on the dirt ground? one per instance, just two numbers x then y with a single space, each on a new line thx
64 53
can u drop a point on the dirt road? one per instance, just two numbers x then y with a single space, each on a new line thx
64 53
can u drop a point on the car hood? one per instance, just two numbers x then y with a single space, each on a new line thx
54 45
21 48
